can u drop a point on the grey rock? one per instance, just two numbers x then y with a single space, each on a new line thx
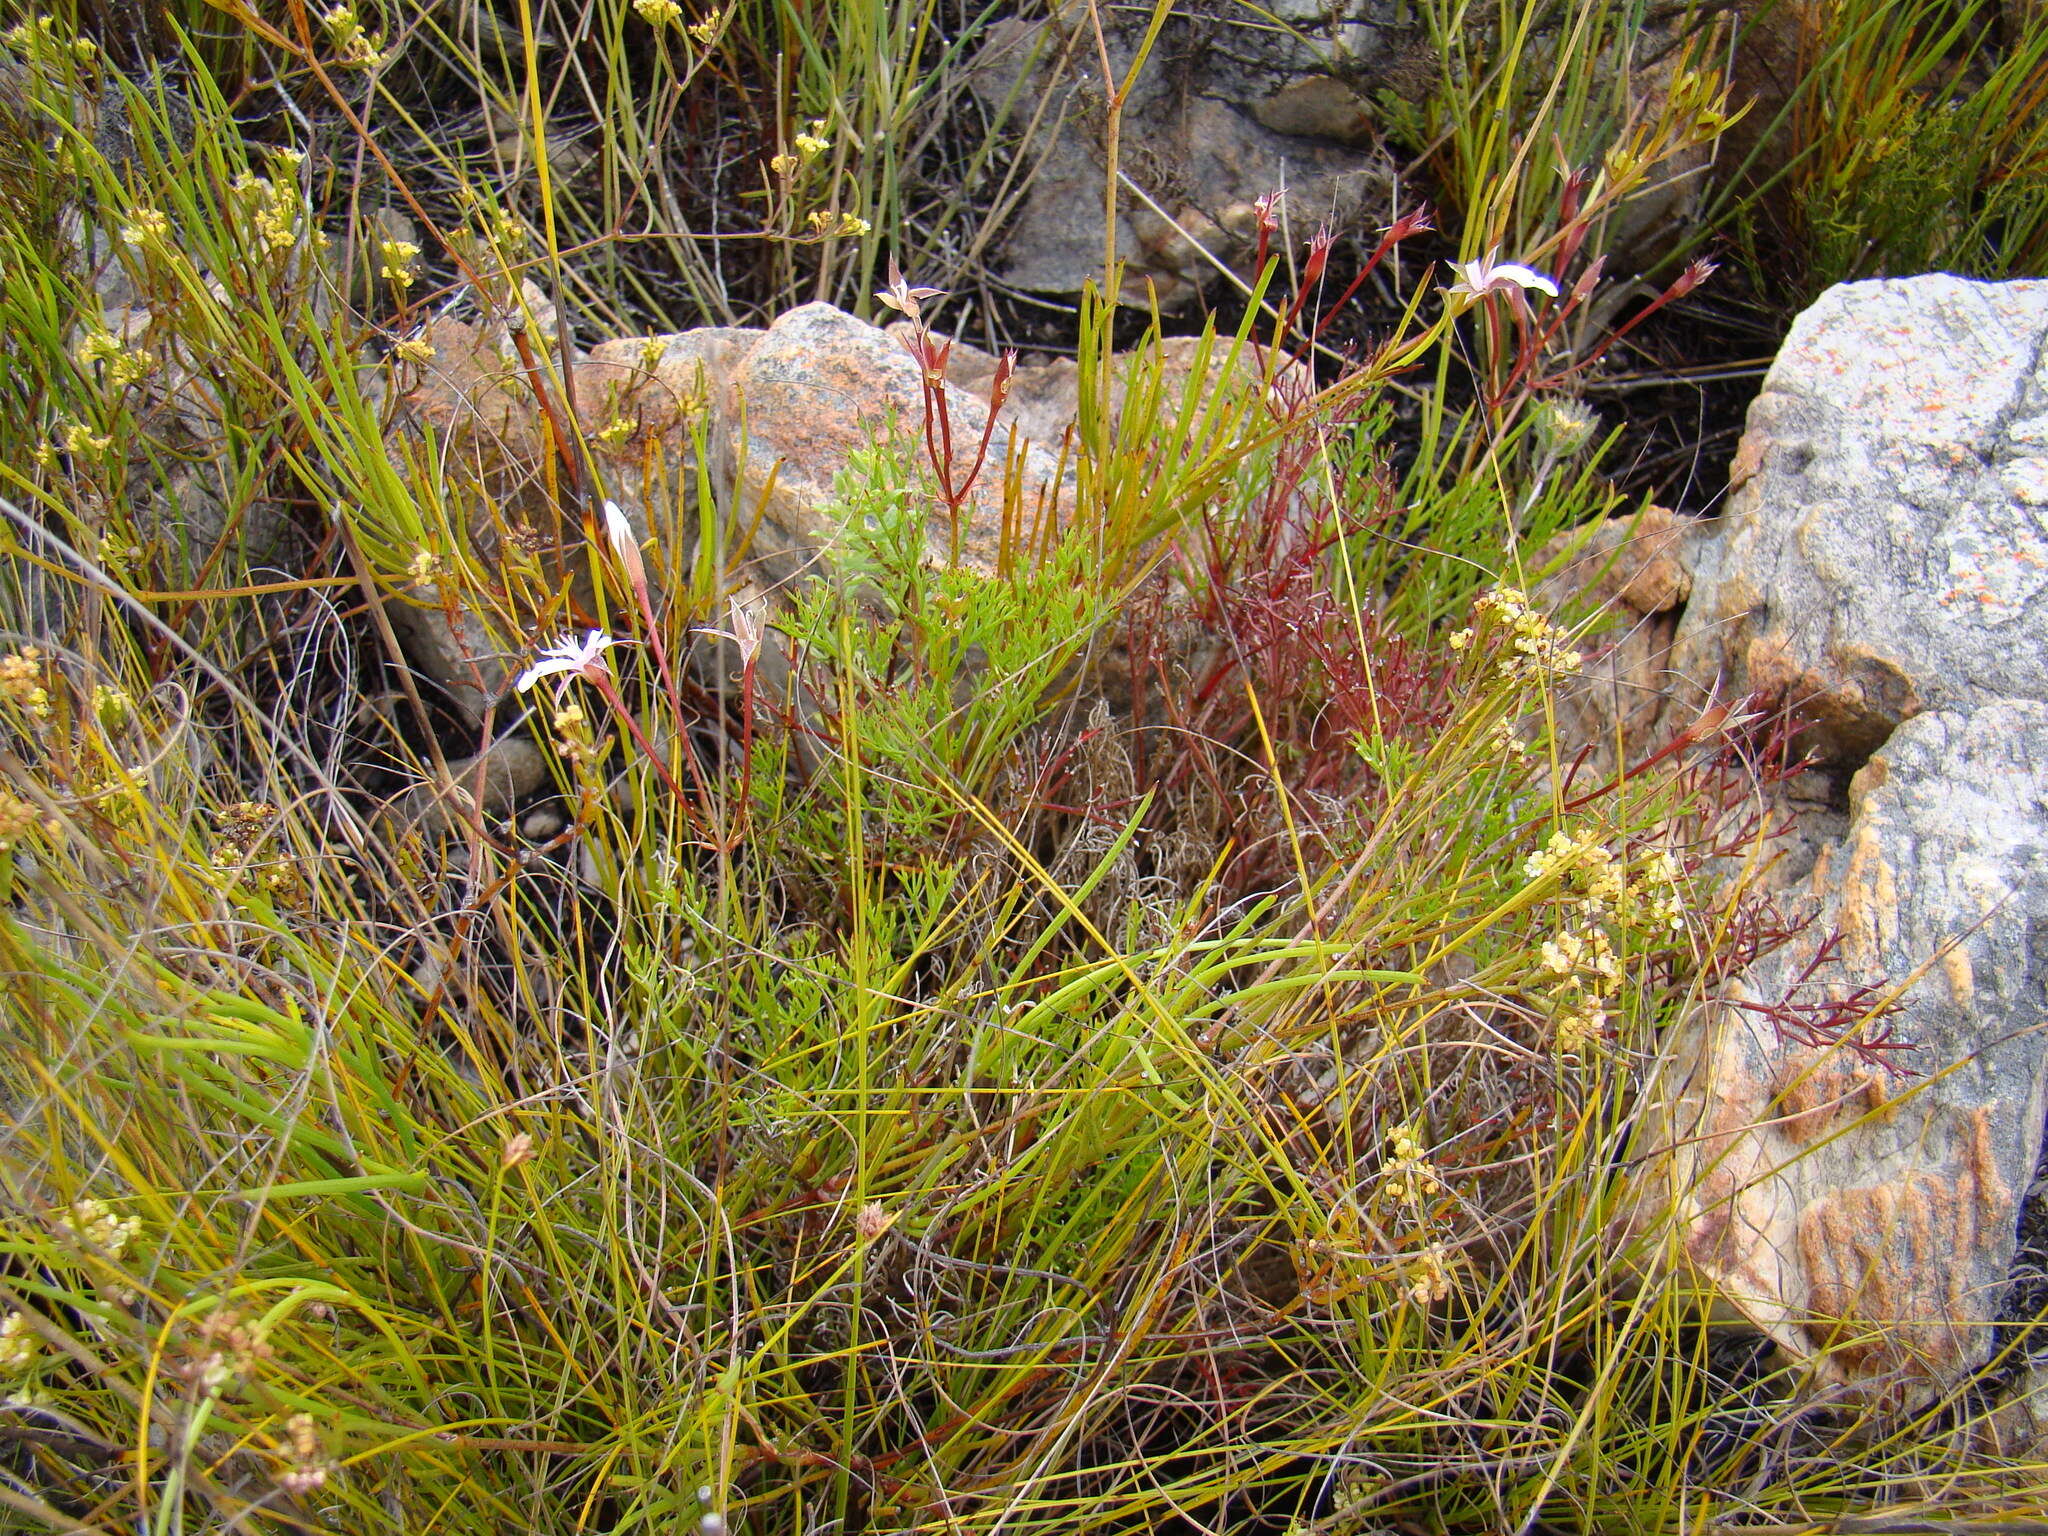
1885 549
1317 106
1865 1218
452 647
1884 564
2019 1426
1193 146
490 783
1247 53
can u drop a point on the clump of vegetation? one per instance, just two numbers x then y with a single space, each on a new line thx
1155 1031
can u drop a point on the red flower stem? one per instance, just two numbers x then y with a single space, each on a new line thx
605 686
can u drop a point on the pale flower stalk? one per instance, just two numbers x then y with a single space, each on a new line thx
903 298
747 633
625 547
618 533
573 660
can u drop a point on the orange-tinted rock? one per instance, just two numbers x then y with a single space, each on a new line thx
822 386
1865 1217
1636 571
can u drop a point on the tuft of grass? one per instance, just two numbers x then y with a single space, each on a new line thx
1152 1030
1928 148
1910 141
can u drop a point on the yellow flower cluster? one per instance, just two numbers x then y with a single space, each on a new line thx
272 205
116 553
845 225
18 1345
33 36
91 1223
353 46
79 439
21 682
659 13
102 353
1430 1275
1410 1177
1658 897
572 735
242 825
232 1349
1580 966
1582 972
112 707
812 142
1581 960
1577 1025
18 818
1653 903
396 258
1582 860
1532 647
146 229
308 1468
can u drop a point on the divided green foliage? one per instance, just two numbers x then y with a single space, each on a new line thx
1906 138
929 672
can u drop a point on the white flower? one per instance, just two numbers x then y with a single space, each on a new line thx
569 657
91 1222
618 532
903 298
1478 278
746 632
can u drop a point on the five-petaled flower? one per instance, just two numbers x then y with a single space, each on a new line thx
1476 279
903 298
570 658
